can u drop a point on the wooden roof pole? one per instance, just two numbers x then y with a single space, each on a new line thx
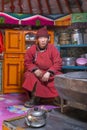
59 6
30 7
20 5
12 7
40 6
79 6
48 6
2 6
68 6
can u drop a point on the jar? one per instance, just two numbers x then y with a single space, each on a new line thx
77 37
64 38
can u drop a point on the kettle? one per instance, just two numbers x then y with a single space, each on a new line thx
36 117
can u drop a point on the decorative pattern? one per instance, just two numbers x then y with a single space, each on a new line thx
42 20
37 20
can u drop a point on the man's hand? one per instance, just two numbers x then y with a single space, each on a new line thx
46 77
38 73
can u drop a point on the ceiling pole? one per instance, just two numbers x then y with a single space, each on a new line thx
68 6
79 6
30 7
20 5
40 6
2 6
48 6
59 6
12 7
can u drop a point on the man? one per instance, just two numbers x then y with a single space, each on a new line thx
42 62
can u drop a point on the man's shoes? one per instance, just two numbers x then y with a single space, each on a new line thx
32 102
56 101
42 101
29 104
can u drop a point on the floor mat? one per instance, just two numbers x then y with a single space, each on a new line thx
12 105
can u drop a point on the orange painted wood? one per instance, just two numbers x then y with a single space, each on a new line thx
4 127
13 41
51 33
13 72
14 56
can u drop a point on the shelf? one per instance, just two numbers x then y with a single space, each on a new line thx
30 40
71 45
75 67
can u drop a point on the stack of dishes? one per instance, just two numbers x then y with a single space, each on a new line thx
64 38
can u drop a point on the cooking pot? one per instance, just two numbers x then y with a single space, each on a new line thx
36 117
68 61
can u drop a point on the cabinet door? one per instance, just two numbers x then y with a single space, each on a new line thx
13 41
13 71
0 76
51 36
28 39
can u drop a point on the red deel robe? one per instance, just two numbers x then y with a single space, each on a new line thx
48 60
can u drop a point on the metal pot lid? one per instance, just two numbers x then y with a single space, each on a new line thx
78 75
37 112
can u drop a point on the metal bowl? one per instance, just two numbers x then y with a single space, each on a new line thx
68 61
81 61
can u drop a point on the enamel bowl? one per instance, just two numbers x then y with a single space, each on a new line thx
81 61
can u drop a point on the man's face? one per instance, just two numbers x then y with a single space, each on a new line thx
42 42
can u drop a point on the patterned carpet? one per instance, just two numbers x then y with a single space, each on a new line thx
12 105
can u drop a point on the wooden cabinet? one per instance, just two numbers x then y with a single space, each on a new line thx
16 43
13 41
13 61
